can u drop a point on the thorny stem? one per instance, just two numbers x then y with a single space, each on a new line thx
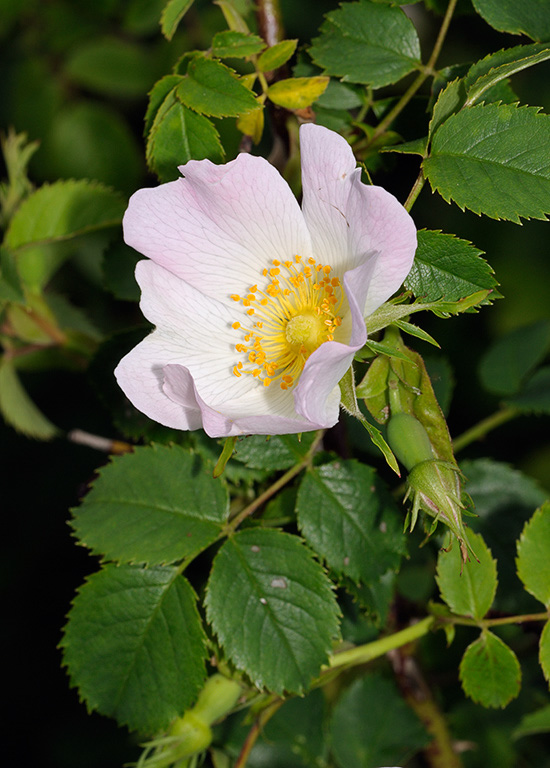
421 77
255 731
484 427
273 489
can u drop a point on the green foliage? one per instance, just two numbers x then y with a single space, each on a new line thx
506 365
277 55
544 651
347 516
446 267
534 722
468 588
172 14
535 396
372 726
211 88
79 207
177 135
533 560
367 42
297 92
134 645
291 613
273 453
155 506
235 45
530 17
111 66
18 409
475 155
490 672
485 74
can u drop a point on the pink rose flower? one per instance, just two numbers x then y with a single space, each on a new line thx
259 305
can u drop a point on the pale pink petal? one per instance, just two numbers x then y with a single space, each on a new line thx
140 375
350 221
220 226
317 396
178 384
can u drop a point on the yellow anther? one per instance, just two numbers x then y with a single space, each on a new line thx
267 382
274 271
236 371
311 260
253 288
249 311
276 263
251 297
236 325
235 297
327 269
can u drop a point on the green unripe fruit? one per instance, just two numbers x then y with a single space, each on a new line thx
217 698
192 733
409 440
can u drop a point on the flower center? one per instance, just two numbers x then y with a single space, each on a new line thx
288 320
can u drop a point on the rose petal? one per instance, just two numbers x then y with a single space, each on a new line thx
350 221
317 396
220 226
140 375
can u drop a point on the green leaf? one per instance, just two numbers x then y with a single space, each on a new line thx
277 55
449 102
270 578
111 66
495 486
367 43
338 97
485 74
534 722
134 645
468 589
157 96
273 453
10 281
18 409
236 45
483 150
91 140
233 18
544 651
212 89
178 135
529 17
62 210
446 267
156 505
297 92
348 517
533 560
489 671
535 395
389 735
172 14
507 362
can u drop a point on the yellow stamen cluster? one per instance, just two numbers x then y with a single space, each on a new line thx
288 320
